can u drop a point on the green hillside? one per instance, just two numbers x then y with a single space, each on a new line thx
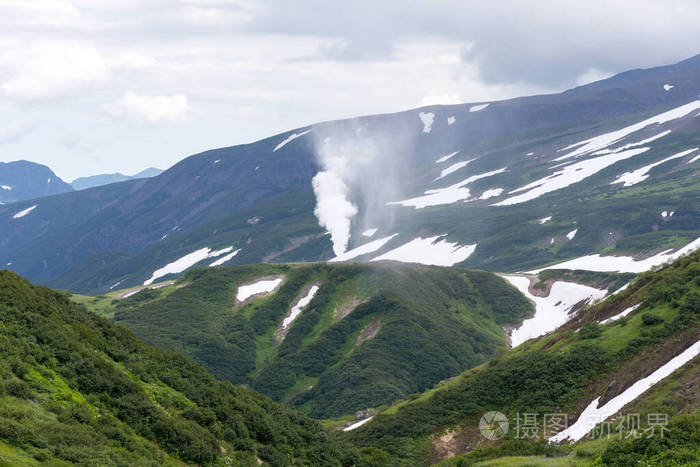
562 373
373 333
77 389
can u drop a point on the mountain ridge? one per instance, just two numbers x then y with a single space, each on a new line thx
22 180
208 199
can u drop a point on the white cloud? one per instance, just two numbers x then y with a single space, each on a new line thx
54 13
46 69
150 109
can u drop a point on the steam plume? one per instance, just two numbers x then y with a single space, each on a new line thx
359 173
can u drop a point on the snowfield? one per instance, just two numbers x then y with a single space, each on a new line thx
622 263
224 259
453 168
491 193
24 212
427 118
632 145
568 175
369 247
431 250
551 311
447 195
289 139
641 174
620 315
605 140
446 158
593 414
186 262
476 108
358 424
299 307
256 288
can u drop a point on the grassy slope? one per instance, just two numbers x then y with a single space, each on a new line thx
75 388
432 323
563 372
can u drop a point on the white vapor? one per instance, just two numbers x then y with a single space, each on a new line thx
333 210
361 164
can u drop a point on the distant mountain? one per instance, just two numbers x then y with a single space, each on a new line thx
83 183
21 180
609 168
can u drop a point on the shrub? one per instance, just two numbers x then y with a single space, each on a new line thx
651 319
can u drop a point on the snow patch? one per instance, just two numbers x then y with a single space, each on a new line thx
593 415
632 145
367 248
476 108
427 118
358 424
453 168
24 212
301 304
694 159
432 251
224 259
447 157
290 138
491 193
6 187
605 140
639 175
186 262
551 311
668 87
263 286
447 195
369 232
571 234
568 175
622 263
620 315
451 120
544 219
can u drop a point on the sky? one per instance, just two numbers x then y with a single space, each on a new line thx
90 87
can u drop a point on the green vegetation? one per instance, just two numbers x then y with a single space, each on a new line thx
75 388
563 372
421 324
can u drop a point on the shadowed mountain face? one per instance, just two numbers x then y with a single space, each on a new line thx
22 180
93 181
511 163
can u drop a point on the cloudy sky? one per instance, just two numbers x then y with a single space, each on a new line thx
94 86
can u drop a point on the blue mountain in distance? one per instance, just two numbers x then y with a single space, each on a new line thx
83 183
22 180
